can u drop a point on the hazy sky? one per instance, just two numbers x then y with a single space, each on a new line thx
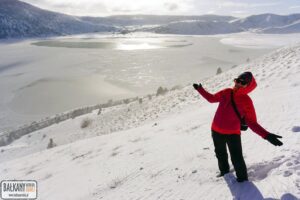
239 8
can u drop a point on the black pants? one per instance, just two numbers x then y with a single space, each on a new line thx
233 141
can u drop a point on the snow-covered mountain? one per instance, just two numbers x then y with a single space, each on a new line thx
291 28
161 147
195 27
141 20
19 19
266 21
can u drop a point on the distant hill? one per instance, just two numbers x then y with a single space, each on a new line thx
197 28
22 20
19 19
291 28
264 23
134 20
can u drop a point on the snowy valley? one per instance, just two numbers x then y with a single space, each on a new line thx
161 148
79 116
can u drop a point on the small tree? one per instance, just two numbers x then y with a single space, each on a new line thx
161 91
219 70
126 101
110 102
85 123
125 31
51 144
140 100
99 111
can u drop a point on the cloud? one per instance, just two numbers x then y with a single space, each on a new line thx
72 7
123 10
109 7
211 12
294 7
231 4
171 6
240 12
166 7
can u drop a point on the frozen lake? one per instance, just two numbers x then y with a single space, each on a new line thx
40 78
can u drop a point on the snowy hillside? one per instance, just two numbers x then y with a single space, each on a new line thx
162 148
197 28
18 19
257 23
266 21
142 20
291 28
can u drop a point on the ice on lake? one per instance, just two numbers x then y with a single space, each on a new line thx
43 77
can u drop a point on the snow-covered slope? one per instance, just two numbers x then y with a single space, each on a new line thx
266 21
19 19
162 148
141 20
291 28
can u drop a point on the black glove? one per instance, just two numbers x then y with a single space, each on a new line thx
196 86
272 138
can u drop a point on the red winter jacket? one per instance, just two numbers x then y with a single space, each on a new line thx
226 120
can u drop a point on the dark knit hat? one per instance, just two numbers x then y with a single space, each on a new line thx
246 76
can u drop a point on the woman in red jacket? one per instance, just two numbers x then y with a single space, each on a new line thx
227 124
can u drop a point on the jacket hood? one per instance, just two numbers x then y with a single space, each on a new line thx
249 88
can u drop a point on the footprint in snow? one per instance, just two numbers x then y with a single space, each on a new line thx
287 173
293 166
260 171
296 129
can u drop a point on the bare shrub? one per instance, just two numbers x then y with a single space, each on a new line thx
99 111
140 100
115 183
219 70
85 123
161 91
110 103
51 144
126 101
113 154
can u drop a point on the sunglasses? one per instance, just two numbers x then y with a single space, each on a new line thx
240 81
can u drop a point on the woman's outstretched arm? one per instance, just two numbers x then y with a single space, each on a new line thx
212 98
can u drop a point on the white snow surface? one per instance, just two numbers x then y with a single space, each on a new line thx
257 41
162 148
